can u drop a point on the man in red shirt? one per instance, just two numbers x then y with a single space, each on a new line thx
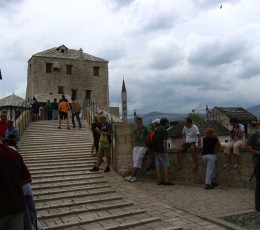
13 174
3 124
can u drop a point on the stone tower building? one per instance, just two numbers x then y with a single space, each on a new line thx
61 70
124 102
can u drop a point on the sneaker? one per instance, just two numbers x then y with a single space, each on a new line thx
128 178
94 169
208 186
107 169
134 179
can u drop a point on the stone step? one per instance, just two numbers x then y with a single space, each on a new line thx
83 208
69 189
70 195
67 195
66 152
58 160
39 171
78 203
66 178
66 223
53 158
60 174
47 167
41 187
69 163
55 146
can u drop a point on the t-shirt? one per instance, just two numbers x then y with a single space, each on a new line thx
161 135
209 145
237 130
191 133
142 140
107 127
54 105
13 174
64 107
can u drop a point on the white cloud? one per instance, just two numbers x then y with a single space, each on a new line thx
174 55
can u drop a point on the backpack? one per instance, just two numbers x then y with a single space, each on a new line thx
151 139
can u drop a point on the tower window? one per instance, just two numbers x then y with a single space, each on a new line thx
60 89
74 93
96 71
49 67
88 94
69 69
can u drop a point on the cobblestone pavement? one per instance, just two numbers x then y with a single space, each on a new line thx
186 206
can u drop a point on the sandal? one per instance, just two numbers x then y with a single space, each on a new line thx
226 166
236 166
168 183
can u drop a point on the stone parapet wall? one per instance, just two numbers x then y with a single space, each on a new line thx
122 162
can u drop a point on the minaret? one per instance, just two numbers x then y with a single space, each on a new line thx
124 102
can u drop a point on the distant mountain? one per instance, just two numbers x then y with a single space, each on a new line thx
149 117
255 110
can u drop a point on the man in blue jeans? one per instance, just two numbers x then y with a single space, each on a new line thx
75 107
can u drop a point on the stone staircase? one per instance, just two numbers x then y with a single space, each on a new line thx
66 193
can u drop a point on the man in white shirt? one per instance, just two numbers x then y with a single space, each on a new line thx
190 135
237 133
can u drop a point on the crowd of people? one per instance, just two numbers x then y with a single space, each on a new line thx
192 141
59 111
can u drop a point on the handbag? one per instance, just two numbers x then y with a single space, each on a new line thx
103 142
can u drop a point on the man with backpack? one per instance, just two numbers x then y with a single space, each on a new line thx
161 155
150 141
140 149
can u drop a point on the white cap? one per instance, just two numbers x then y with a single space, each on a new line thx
156 121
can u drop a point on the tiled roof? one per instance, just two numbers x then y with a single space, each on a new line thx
69 54
11 100
176 131
238 112
42 97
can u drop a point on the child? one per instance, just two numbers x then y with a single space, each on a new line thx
210 142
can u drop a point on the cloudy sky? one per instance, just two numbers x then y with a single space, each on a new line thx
175 55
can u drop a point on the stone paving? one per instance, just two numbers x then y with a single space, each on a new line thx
183 205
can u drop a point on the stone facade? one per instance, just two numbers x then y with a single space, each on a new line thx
67 71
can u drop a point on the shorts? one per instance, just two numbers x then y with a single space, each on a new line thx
185 146
63 115
104 151
138 156
162 161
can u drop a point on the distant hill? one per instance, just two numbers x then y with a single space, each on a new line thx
255 110
149 117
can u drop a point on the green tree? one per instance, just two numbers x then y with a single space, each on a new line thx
197 117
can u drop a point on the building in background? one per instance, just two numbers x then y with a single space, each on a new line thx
61 70
223 115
